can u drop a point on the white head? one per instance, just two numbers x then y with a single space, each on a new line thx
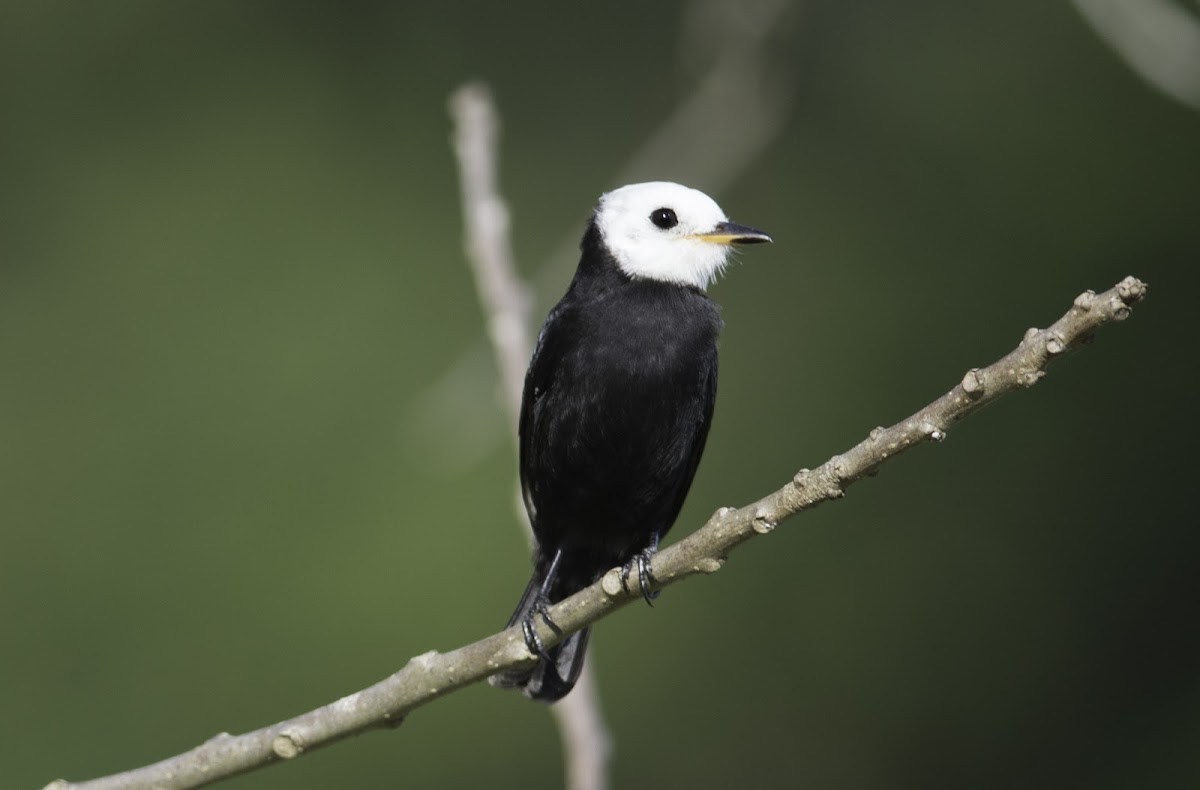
664 231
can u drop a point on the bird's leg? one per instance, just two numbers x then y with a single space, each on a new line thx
645 576
541 608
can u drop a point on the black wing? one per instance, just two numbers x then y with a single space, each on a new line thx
538 381
703 423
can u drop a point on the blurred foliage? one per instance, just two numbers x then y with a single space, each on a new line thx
231 273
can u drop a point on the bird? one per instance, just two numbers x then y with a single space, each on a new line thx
617 404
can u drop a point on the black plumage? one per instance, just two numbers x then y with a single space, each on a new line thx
617 405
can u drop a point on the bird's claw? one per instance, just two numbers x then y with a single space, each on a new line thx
542 609
533 642
645 576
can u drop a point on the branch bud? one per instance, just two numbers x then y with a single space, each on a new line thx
972 383
286 746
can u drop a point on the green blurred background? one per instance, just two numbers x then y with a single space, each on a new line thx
251 457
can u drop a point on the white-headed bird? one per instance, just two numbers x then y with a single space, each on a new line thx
617 403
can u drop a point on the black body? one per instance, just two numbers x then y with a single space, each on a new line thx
617 405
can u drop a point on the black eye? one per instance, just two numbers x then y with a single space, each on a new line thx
664 218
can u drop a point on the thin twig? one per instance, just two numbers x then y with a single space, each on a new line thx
502 295
1158 39
585 740
433 675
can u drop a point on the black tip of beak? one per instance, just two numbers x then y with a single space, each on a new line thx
742 234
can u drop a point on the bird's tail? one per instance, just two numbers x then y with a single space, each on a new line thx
546 681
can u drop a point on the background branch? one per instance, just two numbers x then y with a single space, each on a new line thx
505 300
1158 39
432 675
502 295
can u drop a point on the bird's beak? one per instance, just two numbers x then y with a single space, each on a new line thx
732 233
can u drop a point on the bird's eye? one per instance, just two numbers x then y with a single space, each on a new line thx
664 218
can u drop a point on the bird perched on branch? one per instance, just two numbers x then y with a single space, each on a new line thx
617 404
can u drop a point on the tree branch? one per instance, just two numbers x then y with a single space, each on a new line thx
1157 39
432 675
503 296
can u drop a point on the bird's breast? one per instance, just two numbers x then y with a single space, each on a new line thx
652 333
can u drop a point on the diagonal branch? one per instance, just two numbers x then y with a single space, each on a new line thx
705 550
432 675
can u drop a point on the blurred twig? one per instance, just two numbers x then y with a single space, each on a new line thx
489 253
585 739
432 675
1158 39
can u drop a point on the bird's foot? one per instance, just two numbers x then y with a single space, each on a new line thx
533 642
645 576
542 609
